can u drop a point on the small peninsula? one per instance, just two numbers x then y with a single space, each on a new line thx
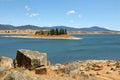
46 34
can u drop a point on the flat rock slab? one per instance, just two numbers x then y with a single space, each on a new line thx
30 59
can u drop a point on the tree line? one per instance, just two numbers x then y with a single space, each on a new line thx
52 32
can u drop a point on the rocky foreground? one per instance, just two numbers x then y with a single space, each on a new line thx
33 65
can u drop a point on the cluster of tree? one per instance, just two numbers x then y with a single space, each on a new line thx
58 31
41 32
52 32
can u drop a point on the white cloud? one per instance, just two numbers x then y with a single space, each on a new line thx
71 12
27 8
32 14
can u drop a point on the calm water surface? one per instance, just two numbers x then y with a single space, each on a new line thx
62 51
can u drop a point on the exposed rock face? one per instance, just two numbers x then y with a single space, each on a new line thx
6 62
30 59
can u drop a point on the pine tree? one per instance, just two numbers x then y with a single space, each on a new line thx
52 32
56 31
65 31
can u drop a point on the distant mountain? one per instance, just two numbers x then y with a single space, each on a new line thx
6 27
10 27
65 27
95 28
28 27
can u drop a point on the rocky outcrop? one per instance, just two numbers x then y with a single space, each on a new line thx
43 70
30 59
6 62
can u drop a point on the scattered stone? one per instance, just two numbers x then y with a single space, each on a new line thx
81 69
110 63
88 77
83 72
31 59
41 70
54 68
97 73
74 73
6 62
109 72
91 74
113 69
97 67
58 67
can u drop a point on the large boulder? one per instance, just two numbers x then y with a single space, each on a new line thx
30 59
6 62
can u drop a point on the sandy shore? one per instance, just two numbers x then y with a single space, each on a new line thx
47 37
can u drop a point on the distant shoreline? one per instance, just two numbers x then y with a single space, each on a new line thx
69 32
92 32
47 37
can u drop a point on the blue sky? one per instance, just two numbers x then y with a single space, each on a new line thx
73 13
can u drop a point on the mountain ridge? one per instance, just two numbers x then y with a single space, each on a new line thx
33 27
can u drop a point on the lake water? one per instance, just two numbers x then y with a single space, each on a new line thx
62 51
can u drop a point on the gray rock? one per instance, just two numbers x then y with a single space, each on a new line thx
97 67
2 71
15 75
41 70
74 73
109 72
86 76
113 69
97 73
6 62
31 59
